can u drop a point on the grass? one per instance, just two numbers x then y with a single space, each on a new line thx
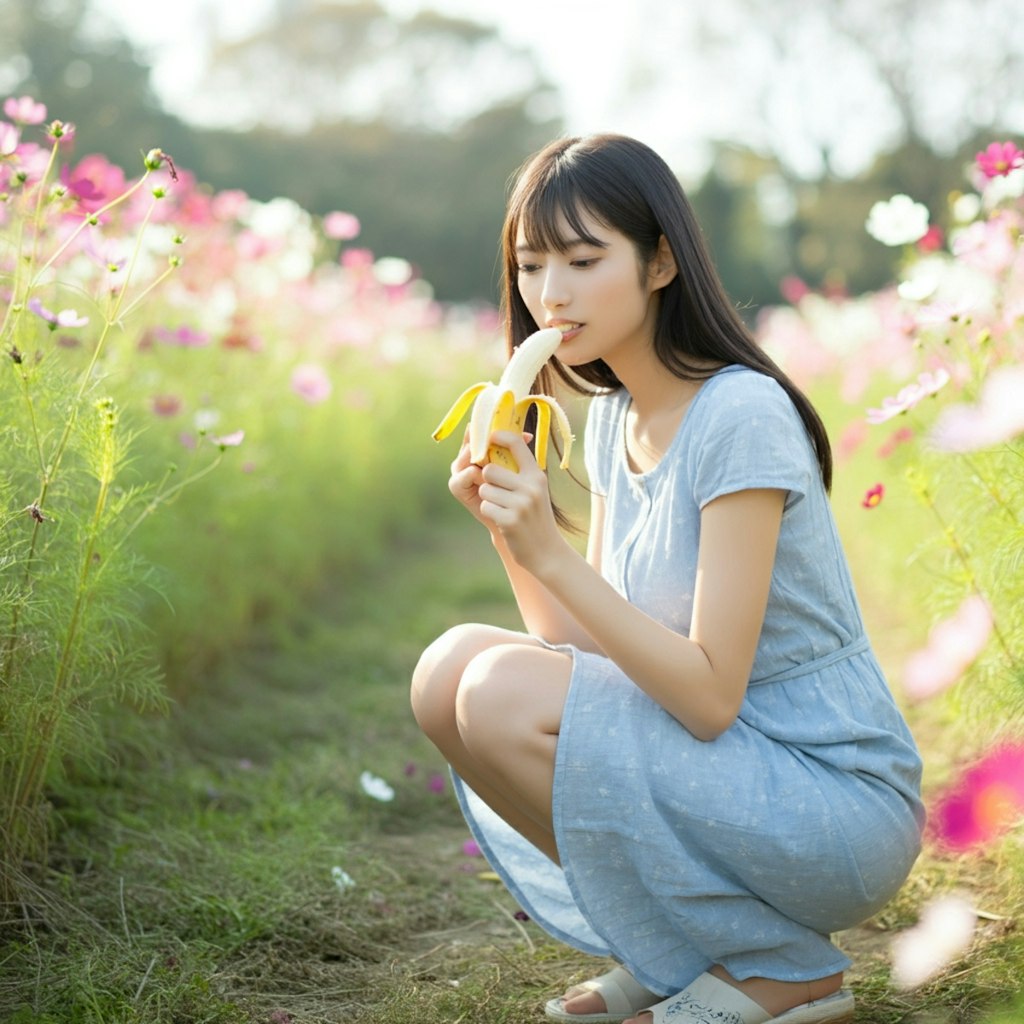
191 876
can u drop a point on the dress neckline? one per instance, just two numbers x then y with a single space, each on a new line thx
639 476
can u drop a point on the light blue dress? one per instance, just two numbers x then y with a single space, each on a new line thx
804 817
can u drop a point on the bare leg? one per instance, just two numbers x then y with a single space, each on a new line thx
491 700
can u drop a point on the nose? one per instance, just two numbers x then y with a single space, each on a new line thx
554 291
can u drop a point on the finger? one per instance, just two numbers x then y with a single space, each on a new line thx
514 442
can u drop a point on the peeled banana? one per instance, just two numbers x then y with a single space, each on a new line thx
504 406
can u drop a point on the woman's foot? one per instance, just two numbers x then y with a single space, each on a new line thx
613 996
775 997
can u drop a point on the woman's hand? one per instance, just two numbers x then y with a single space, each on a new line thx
464 482
518 505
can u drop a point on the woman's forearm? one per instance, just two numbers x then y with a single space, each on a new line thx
543 614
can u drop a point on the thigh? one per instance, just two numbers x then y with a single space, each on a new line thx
438 674
514 689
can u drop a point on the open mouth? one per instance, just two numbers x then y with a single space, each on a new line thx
567 327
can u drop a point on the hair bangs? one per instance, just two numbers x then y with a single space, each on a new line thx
551 218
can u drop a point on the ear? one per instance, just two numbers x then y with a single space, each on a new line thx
662 268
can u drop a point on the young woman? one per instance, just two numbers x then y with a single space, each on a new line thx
690 761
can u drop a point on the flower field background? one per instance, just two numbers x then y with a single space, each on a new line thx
212 408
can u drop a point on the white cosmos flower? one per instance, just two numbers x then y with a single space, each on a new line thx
342 879
897 221
375 786
944 932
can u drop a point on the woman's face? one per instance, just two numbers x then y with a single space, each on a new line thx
598 294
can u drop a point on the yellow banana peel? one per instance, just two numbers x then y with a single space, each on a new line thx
505 405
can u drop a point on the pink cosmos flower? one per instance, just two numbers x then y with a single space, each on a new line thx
9 139
229 204
852 437
357 259
953 645
927 384
874 496
61 131
65 318
997 417
436 783
471 848
985 802
988 245
25 110
944 931
999 158
183 336
94 181
901 436
341 225
232 440
166 405
793 289
311 383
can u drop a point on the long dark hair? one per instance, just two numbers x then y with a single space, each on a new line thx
627 187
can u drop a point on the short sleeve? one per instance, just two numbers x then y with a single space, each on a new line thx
751 436
599 441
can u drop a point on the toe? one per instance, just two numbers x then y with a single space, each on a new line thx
578 1000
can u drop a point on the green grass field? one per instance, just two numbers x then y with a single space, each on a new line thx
191 879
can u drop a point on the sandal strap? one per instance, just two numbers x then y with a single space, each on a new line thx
709 1000
621 992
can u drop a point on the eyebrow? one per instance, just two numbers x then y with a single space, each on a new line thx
567 243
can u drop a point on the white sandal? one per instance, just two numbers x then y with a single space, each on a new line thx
623 996
709 1000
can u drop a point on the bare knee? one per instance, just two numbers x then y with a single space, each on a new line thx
493 703
439 671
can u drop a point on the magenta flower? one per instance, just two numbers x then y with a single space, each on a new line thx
65 318
927 384
984 803
998 159
874 496
25 110
436 783
94 181
341 225
311 383
953 645
471 848
9 139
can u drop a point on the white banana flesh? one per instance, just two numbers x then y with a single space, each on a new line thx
505 405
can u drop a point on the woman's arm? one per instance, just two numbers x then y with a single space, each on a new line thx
701 679
544 615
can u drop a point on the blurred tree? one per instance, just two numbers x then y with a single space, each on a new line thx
316 62
84 74
827 86
426 189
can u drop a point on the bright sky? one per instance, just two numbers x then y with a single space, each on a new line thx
637 66
588 50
